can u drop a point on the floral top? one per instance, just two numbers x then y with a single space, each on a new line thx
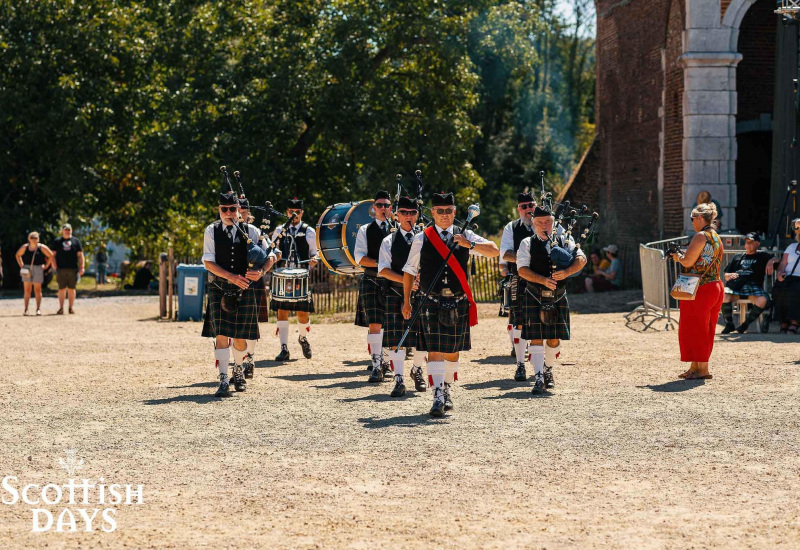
709 263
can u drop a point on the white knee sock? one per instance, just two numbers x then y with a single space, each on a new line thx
375 342
251 347
222 355
396 360
451 371
419 358
551 354
519 345
305 329
239 355
537 358
436 373
283 332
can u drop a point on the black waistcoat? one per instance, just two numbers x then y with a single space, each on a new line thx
429 263
300 244
400 249
519 232
228 255
374 238
540 258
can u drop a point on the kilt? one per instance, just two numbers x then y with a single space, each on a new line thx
369 310
262 300
243 323
748 289
515 317
532 326
393 323
435 337
308 306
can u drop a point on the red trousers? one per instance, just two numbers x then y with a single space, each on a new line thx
698 322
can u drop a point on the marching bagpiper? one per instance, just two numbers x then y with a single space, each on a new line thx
447 307
298 246
231 313
545 309
513 235
392 258
370 310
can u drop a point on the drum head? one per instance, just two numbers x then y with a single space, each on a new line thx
293 272
362 213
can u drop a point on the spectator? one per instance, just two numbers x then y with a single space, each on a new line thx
606 279
69 265
33 259
101 264
704 197
141 281
786 292
699 316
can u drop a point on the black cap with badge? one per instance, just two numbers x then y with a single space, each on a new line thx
228 199
540 212
753 236
383 195
407 203
444 199
294 203
525 197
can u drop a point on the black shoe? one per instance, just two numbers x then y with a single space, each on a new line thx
284 354
437 409
448 403
376 376
729 327
549 383
249 367
741 329
538 384
520 375
238 379
224 389
399 388
386 367
419 380
306 347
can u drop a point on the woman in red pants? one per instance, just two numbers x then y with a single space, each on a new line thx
698 320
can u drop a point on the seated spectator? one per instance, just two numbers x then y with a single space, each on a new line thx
744 279
786 291
597 263
141 281
606 279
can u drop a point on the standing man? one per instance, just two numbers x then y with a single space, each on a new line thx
449 310
101 263
513 235
298 246
69 264
393 256
370 309
231 313
545 309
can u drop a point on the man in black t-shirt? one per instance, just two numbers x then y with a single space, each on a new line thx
744 279
69 264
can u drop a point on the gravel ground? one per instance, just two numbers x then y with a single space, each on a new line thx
621 455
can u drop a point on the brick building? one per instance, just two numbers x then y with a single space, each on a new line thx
691 95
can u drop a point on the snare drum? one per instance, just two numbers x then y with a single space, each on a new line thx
290 285
337 230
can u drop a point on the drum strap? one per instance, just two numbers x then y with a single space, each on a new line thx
458 271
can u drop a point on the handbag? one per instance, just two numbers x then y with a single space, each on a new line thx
26 271
786 283
686 285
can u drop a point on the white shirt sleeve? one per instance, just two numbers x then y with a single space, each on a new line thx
209 251
311 239
506 241
474 238
524 253
412 263
385 254
361 244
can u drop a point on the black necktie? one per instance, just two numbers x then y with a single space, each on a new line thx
409 238
383 227
229 229
445 235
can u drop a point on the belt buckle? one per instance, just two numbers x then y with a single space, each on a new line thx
547 293
447 293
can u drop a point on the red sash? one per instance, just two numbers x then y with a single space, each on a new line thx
458 271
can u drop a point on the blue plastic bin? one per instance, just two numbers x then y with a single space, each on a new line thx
191 291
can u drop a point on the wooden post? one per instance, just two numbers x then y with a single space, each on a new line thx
162 285
169 278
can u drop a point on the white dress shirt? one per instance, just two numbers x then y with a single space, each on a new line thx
209 251
412 264
507 242
361 242
311 238
385 255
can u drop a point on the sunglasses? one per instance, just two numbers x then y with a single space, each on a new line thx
224 209
527 205
407 212
290 212
444 211
33 239
383 205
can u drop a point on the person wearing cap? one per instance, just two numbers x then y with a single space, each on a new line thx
392 257
232 309
448 309
298 247
545 309
370 309
786 291
513 235
744 280
69 265
606 279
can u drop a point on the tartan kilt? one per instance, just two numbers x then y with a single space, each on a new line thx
532 326
369 310
243 323
435 337
393 323
515 317
748 289
262 300
308 306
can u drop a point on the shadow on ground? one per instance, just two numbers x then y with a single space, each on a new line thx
407 421
675 386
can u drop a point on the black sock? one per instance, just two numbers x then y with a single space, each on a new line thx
727 312
753 314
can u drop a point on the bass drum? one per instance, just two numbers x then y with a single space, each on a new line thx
337 229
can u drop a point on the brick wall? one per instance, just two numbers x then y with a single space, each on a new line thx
673 123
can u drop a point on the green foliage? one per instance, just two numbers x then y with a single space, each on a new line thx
123 112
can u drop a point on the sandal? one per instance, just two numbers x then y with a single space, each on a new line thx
686 374
695 376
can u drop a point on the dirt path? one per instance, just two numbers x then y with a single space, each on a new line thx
620 455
